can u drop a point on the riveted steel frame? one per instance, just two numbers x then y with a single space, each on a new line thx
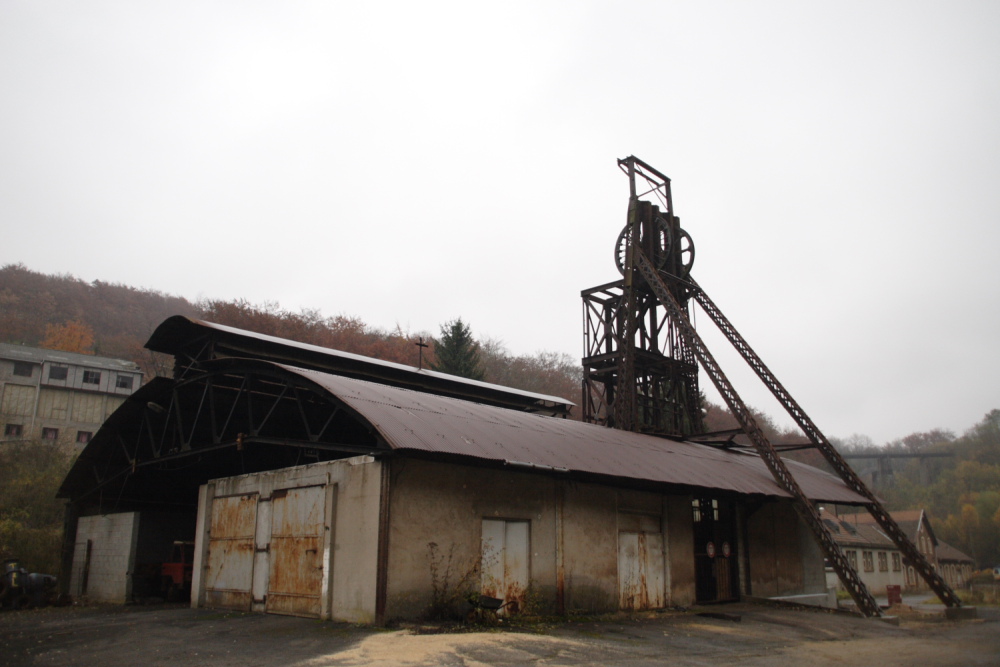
226 409
639 374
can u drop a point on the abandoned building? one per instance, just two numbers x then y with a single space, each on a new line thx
60 396
320 483
310 488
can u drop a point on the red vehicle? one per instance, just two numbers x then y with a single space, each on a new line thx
175 575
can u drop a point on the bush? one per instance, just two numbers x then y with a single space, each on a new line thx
31 517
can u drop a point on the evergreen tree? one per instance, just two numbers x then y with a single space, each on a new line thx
457 352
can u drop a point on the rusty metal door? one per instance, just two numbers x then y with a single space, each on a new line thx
505 564
296 551
640 570
229 568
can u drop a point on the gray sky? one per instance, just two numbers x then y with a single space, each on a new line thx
837 165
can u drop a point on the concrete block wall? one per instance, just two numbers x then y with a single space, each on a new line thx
106 575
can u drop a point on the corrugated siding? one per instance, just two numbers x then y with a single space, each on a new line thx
88 408
54 404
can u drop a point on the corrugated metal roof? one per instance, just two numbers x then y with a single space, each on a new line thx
410 420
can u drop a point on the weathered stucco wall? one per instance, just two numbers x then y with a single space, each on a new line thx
104 556
436 514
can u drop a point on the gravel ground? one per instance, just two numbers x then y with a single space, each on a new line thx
175 636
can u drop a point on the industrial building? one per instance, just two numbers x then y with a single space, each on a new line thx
310 488
60 396
320 483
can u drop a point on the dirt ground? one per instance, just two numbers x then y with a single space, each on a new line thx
176 636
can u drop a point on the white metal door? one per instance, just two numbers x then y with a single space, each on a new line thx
640 570
229 568
505 564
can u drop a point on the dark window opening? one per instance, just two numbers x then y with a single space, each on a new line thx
92 377
58 372
13 430
23 368
124 382
49 433
84 436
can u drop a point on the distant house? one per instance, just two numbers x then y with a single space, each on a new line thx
954 566
872 554
60 396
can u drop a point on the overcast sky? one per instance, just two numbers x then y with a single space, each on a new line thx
837 165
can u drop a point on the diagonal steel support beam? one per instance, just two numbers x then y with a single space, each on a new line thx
855 586
833 457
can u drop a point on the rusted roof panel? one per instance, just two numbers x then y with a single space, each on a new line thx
411 420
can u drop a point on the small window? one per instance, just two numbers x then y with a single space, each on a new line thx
58 372
896 563
84 437
696 510
23 368
869 561
13 430
883 561
92 377
124 382
852 557
49 433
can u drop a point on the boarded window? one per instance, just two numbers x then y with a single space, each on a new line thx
23 368
505 565
58 372
18 400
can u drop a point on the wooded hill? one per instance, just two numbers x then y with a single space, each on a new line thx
961 492
113 320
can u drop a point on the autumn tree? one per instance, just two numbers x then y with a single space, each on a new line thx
457 352
72 336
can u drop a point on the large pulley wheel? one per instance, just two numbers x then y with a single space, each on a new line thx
661 248
685 253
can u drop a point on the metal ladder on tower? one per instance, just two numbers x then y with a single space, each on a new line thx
835 556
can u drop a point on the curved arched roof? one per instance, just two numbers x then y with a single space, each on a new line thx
402 420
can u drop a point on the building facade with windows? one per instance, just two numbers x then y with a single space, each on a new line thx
871 553
60 396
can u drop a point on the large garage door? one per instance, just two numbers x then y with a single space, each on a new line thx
296 563
229 572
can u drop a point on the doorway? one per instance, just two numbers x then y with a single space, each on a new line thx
716 562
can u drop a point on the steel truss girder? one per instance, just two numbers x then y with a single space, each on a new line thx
805 508
833 457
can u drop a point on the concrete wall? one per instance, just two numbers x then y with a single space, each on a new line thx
436 512
350 520
105 574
